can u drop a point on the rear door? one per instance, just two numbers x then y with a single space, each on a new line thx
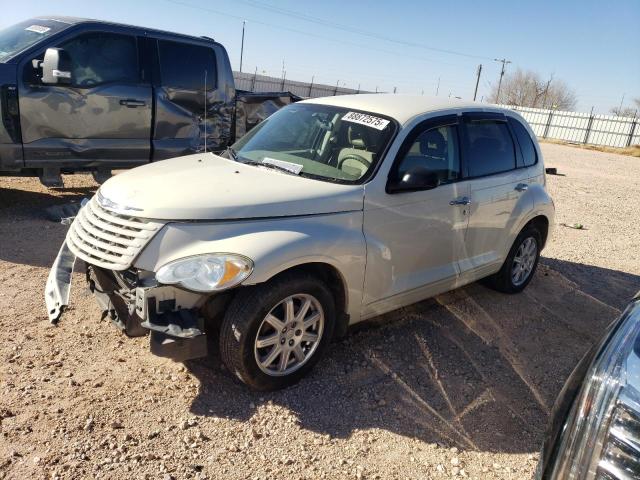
103 118
189 106
490 161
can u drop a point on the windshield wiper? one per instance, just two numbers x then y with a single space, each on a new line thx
232 153
271 165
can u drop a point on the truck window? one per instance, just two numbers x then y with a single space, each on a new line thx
23 35
100 57
183 65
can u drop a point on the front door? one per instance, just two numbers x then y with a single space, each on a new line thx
414 239
497 185
102 118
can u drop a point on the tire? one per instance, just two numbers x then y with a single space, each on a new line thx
245 324
504 281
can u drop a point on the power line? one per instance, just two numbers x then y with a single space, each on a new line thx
301 32
352 29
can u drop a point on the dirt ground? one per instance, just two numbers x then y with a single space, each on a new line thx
456 386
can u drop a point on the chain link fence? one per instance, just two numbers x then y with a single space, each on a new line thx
253 82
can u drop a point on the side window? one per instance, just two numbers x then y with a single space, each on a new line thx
102 57
183 65
434 150
489 147
526 144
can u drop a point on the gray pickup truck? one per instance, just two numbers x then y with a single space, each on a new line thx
85 95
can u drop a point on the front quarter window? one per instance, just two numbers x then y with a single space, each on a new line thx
325 142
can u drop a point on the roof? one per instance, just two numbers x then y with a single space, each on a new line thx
400 107
79 20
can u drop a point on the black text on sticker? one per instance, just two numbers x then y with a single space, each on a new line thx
364 119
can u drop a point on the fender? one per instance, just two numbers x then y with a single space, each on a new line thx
274 245
542 206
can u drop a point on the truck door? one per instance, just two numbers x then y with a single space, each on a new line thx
193 99
101 119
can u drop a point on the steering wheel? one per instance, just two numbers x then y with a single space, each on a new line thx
357 158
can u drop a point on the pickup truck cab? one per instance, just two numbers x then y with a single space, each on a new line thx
329 212
86 95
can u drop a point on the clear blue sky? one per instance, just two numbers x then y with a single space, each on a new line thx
592 45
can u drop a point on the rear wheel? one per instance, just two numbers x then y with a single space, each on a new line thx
274 333
521 263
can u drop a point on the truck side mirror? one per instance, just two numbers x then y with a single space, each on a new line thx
56 67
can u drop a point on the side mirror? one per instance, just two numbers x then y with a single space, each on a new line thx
56 67
414 179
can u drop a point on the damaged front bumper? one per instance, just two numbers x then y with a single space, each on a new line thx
136 304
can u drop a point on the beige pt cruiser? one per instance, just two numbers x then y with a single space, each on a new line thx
330 212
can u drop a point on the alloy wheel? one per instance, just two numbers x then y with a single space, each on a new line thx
289 335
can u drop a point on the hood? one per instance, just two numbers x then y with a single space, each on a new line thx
208 187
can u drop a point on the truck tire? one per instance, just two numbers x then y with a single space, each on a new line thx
521 263
274 333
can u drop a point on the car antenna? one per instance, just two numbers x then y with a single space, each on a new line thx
205 111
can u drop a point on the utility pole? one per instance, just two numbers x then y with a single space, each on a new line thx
504 62
438 87
242 45
620 107
475 93
546 92
311 85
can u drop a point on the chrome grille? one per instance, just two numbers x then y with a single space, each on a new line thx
621 453
108 239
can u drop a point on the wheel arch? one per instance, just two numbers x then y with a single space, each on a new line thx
334 280
541 223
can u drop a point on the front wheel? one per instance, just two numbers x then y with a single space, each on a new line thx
521 263
274 333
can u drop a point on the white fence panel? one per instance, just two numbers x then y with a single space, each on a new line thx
579 127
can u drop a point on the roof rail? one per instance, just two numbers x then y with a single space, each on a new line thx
207 38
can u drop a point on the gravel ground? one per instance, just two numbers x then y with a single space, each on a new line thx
456 386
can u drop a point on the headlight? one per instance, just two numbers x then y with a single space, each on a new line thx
601 439
206 273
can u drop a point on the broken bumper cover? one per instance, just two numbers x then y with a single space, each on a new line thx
170 314
56 293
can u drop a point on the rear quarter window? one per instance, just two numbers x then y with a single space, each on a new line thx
527 147
183 65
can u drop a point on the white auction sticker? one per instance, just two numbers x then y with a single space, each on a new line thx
364 119
37 29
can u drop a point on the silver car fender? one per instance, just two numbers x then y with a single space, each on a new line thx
274 245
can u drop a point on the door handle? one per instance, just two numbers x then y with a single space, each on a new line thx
522 187
132 103
460 201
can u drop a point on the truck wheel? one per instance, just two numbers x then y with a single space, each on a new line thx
521 263
274 333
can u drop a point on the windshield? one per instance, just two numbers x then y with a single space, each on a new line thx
19 37
320 141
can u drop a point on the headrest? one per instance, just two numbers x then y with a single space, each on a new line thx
355 137
432 143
